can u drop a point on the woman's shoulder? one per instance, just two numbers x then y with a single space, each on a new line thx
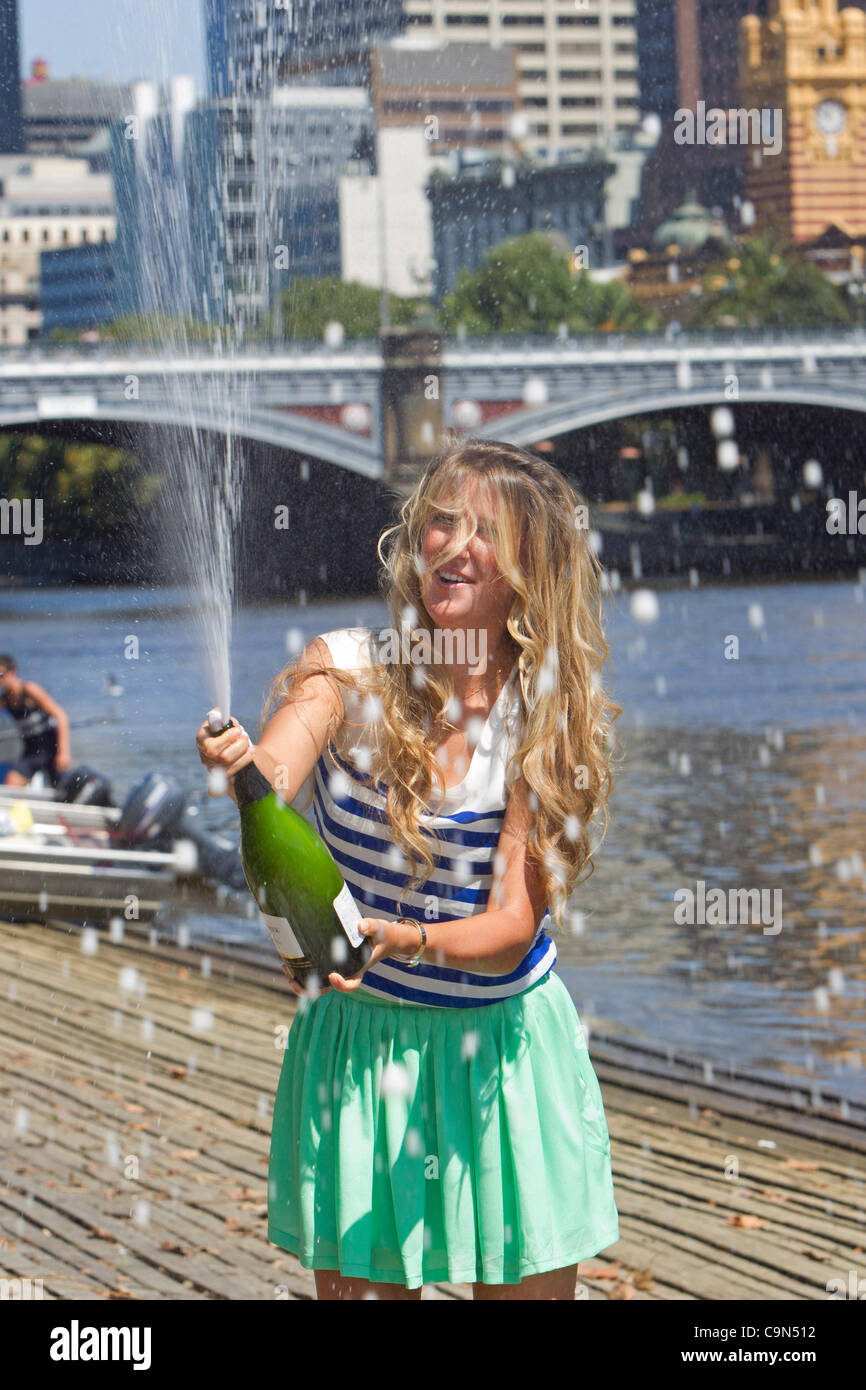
349 647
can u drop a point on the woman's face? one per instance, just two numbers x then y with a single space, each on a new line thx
477 595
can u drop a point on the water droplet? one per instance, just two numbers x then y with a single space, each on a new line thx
89 941
756 615
644 606
201 1020
395 1081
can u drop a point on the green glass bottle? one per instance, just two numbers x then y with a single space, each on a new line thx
307 907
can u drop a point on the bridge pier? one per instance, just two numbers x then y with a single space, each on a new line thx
412 398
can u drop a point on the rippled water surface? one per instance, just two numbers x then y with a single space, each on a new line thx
741 774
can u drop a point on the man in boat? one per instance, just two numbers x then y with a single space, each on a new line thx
42 724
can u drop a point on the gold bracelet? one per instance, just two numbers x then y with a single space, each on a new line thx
413 960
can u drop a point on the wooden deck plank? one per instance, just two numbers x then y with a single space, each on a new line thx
195 1107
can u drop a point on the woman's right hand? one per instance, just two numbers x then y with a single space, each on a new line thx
228 752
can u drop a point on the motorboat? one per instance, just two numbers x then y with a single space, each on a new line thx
67 853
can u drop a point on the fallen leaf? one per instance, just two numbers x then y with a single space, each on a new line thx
643 1278
801 1163
179 1072
746 1219
137 1109
173 1249
622 1291
185 1153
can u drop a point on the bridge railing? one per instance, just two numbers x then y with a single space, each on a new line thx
492 342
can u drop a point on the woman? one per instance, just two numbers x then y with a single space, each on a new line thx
437 1116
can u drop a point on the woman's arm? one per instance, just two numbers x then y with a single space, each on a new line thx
493 942
293 739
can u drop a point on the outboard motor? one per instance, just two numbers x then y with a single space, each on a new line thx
84 787
153 810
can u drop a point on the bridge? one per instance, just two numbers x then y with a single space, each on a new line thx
349 406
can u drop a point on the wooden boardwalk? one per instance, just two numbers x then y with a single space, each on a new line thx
136 1086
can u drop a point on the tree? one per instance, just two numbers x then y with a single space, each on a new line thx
759 286
309 305
527 285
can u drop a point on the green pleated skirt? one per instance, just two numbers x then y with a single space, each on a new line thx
413 1144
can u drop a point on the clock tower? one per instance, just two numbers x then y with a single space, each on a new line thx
807 61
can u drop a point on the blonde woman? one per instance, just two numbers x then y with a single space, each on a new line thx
437 1116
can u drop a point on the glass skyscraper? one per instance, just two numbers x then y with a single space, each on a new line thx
11 129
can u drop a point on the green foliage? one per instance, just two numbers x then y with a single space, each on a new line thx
94 484
159 328
759 286
526 285
309 305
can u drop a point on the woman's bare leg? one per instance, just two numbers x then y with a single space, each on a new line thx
330 1286
554 1283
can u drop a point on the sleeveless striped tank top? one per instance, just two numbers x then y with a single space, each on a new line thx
349 807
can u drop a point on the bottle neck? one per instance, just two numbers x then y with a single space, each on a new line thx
250 784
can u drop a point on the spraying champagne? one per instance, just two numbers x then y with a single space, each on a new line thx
307 907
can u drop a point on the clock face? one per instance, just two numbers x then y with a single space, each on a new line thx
830 117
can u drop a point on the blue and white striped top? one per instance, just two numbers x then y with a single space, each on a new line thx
350 816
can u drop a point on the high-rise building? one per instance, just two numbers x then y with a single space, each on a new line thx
64 116
807 61
577 65
11 131
45 203
262 180
253 46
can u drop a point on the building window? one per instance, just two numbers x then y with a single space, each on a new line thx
45 234
623 21
536 102
478 20
572 128
419 19
533 75
569 21
580 75
624 74
64 235
25 235
569 102
524 20
85 235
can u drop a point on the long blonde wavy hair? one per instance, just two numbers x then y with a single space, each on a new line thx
541 542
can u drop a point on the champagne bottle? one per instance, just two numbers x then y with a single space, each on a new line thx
307 907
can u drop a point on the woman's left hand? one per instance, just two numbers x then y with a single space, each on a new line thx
390 938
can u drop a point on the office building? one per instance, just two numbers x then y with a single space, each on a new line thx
11 131
577 66
45 203
476 205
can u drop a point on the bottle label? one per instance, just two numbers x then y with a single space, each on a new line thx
347 910
283 937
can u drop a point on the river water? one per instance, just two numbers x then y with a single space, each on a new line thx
745 773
